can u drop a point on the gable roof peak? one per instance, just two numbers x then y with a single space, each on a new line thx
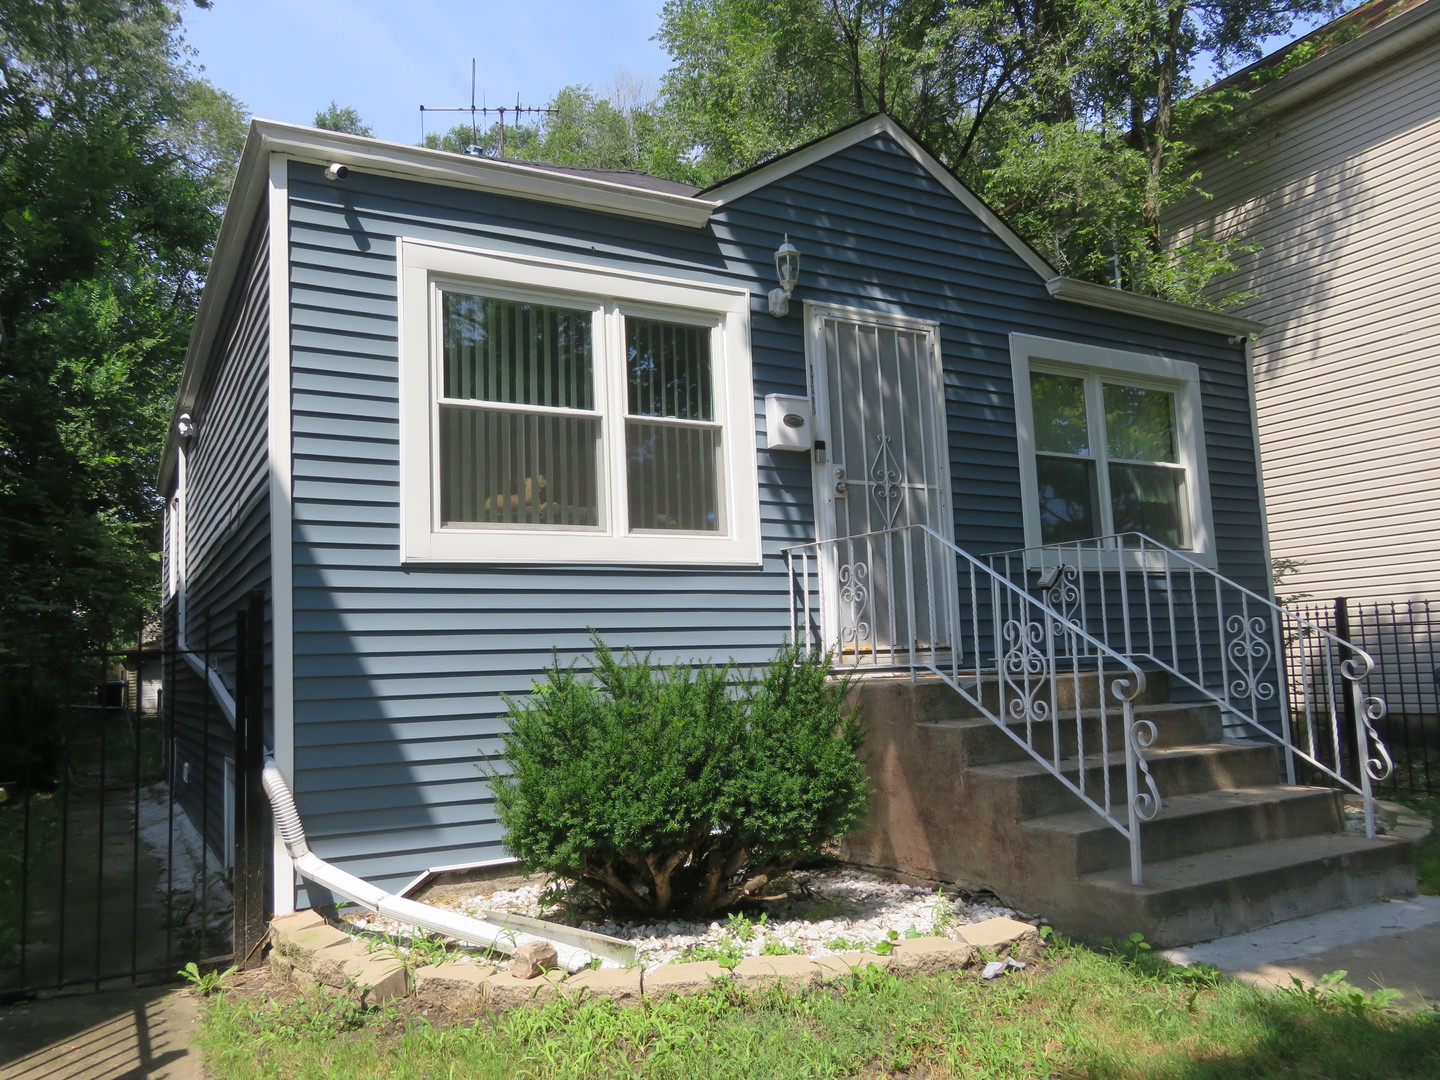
877 124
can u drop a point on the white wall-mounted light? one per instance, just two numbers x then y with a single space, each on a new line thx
185 426
787 271
336 171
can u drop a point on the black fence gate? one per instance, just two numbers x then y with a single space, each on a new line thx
1404 638
110 873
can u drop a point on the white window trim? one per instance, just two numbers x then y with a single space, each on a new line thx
424 266
1180 377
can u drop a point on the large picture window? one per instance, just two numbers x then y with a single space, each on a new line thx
559 413
1109 445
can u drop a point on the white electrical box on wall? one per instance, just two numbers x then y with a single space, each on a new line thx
788 422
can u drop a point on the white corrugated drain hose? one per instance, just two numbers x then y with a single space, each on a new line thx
575 949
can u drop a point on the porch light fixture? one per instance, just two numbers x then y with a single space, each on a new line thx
787 271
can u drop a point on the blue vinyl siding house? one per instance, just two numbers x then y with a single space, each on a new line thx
430 526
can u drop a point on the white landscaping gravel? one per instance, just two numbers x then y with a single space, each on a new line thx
832 910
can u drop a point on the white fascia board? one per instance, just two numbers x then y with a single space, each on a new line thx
857 133
1150 307
479 174
1347 62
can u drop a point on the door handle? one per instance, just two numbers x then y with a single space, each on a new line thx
841 487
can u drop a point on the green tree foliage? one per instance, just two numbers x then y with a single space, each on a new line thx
625 130
1071 116
114 160
342 118
679 789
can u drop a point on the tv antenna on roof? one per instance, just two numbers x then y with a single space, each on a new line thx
517 110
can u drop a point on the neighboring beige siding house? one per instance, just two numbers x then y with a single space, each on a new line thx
1341 186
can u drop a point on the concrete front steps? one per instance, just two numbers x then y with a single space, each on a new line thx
1231 849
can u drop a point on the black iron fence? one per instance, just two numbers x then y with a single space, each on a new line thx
120 820
1404 638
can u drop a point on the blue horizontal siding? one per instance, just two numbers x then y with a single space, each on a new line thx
400 671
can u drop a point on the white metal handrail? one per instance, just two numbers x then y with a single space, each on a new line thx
1223 640
907 598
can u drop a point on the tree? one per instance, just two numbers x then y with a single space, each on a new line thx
115 160
342 118
626 129
1071 116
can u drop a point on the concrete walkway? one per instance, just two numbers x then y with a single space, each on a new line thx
1394 944
141 1034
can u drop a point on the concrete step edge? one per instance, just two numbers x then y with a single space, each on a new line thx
1280 858
1026 767
1179 808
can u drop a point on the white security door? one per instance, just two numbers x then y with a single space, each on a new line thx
880 410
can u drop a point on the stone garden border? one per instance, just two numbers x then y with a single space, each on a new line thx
305 948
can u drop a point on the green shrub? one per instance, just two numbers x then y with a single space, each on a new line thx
679 788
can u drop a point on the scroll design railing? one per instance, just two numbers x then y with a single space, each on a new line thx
908 598
1233 645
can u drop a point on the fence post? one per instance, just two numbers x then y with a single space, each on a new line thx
252 831
1349 753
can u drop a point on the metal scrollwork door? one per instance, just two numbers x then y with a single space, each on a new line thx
879 403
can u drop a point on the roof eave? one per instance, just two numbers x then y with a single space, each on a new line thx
1347 61
246 199
1149 307
480 174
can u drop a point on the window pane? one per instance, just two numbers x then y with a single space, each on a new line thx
674 477
669 369
522 353
517 468
1067 499
1140 423
1150 500
1058 404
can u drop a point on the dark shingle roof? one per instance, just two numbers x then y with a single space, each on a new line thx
628 177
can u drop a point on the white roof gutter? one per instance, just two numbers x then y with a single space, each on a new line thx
1150 307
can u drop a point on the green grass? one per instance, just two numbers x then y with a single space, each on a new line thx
44 826
1427 851
1077 1014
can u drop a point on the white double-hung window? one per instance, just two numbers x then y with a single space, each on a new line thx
1110 444
562 412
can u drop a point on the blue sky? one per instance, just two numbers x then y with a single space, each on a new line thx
286 59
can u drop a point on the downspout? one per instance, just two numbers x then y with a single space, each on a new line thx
185 427
575 949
